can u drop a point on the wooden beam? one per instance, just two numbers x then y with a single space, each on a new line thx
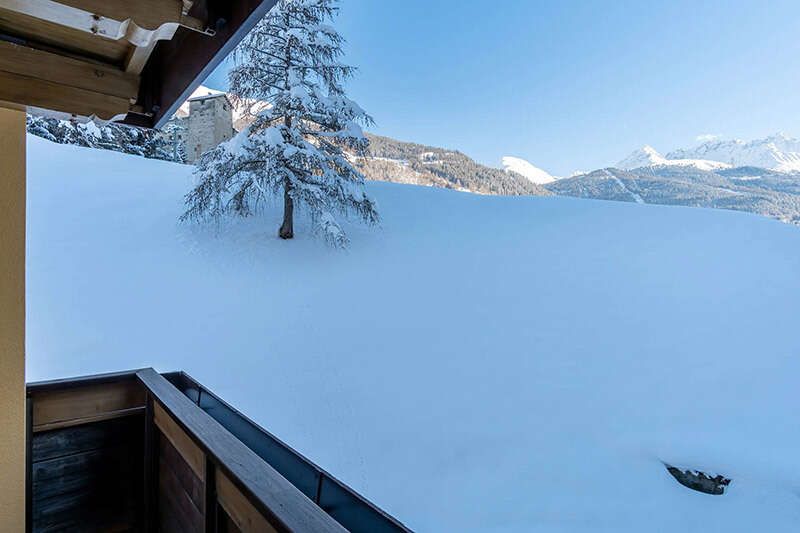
111 19
12 318
65 408
66 71
148 14
51 95
180 65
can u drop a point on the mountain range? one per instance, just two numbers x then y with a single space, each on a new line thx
761 176
418 164
777 152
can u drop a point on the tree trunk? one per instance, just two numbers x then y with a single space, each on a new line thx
287 228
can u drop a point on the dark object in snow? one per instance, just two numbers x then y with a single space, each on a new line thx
699 481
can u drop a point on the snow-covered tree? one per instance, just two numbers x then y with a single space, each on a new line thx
287 73
116 137
173 131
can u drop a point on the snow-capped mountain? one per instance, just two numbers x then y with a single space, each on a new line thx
527 170
777 152
648 156
755 190
643 157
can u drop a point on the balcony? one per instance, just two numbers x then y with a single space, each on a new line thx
143 451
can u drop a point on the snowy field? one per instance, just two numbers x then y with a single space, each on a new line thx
477 364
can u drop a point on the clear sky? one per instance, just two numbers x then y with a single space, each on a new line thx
572 84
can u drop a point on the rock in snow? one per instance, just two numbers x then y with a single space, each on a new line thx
480 363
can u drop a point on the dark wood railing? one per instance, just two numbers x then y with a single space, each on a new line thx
138 451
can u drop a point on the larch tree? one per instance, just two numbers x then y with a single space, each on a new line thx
304 131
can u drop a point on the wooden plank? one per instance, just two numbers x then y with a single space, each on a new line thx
175 502
63 38
38 387
88 478
49 95
25 61
85 470
241 512
185 446
279 502
149 14
49 445
90 419
192 485
77 406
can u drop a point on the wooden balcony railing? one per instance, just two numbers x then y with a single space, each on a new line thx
138 451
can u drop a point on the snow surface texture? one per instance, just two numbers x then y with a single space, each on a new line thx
479 364
527 170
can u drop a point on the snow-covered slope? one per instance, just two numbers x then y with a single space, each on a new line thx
478 364
648 156
527 170
777 152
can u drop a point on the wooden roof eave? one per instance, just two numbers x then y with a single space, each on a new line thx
43 76
122 60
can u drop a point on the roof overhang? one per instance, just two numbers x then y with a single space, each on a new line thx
130 61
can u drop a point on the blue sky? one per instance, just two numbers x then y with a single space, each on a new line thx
572 85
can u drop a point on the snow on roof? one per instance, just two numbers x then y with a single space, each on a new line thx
201 93
206 97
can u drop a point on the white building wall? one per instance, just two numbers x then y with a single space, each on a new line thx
210 122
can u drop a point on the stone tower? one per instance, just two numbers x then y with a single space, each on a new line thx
209 123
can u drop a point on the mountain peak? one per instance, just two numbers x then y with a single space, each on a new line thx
527 170
645 156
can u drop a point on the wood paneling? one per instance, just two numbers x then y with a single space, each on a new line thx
184 445
88 478
69 407
180 492
25 61
241 512
50 95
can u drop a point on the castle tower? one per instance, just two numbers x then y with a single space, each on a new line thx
210 122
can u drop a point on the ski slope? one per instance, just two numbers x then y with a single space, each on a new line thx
477 364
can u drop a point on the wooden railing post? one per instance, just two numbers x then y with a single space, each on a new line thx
150 485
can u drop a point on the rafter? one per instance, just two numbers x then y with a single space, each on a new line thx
42 79
142 23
